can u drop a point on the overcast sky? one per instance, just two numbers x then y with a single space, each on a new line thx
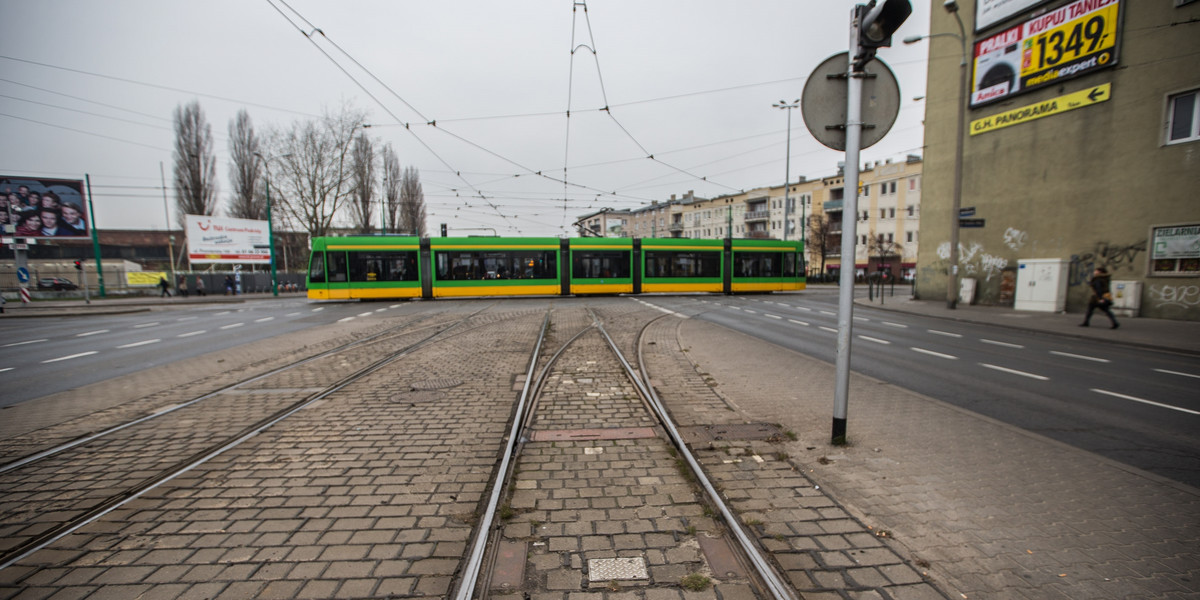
89 88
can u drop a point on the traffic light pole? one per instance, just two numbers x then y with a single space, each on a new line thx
841 398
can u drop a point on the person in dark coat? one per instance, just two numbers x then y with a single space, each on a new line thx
1101 297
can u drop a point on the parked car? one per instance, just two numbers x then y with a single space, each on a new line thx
56 283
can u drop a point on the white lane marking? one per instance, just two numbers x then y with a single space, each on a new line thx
825 312
141 343
70 357
91 333
394 306
1080 356
318 309
6 369
379 310
191 333
187 318
932 353
659 308
1016 372
291 314
366 314
876 340
23 343
1177 373
829 329
751 311
145 325
1144 401
1005 344
771 316
890 324
223 313
264 319
803 308
232 325
345 319
945 333
798 322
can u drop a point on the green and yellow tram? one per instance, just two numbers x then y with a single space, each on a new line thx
368 267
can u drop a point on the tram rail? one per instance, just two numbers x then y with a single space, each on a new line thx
83 504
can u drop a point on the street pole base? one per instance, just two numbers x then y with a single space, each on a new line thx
839 432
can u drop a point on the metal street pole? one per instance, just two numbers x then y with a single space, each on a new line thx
787 169
167 214
271 239
956 204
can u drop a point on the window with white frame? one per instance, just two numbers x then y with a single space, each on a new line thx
1183 117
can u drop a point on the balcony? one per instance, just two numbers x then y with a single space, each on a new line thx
832 205
757 215
758 235
675 227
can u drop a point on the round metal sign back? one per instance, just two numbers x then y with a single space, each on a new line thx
824 102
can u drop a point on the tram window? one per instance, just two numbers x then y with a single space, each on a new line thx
683 264
496 265
383 266
764 264
594 265
337 266
316 268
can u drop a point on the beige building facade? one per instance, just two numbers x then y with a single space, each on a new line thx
1081 145
886 228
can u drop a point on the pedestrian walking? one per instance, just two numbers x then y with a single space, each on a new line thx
229 285
199 286
182 287
166 287
1101 297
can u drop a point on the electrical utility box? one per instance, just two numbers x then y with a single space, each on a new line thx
1127 298
1041 284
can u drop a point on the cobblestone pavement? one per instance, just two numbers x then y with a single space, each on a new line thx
994 511
374 492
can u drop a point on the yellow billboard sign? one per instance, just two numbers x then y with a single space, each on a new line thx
1046 108
144 277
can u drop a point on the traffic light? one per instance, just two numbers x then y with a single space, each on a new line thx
877 22
443 230
79 265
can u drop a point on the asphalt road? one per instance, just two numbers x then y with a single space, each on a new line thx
42 356
1139 407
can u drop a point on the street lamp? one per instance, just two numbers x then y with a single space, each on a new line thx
787 169
270 227
951 7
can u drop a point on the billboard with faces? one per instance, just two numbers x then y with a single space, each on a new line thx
42 208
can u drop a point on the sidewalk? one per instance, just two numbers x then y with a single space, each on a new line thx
1157 334
124 304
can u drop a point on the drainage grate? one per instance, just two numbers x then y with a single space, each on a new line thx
739 432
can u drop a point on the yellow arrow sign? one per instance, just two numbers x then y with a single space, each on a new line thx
1046 108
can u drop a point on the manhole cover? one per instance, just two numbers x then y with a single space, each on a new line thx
741 432
416 397
434 384
616 569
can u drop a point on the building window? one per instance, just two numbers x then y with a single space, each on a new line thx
1173 250
891 213
883 213
1183 117
908 236
911 211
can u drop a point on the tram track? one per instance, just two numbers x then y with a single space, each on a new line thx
654 431
55 492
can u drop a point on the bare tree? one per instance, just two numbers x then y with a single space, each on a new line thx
362 171
824 236
882 249
313 175
195 163
391 189
412 203
245 170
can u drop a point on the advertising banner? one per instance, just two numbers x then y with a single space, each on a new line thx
1067 42
1176 242
990 12
226 240
42 208
144 278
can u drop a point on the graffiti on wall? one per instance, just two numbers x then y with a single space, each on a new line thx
1109 256
1015 238
1175 296
973 261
